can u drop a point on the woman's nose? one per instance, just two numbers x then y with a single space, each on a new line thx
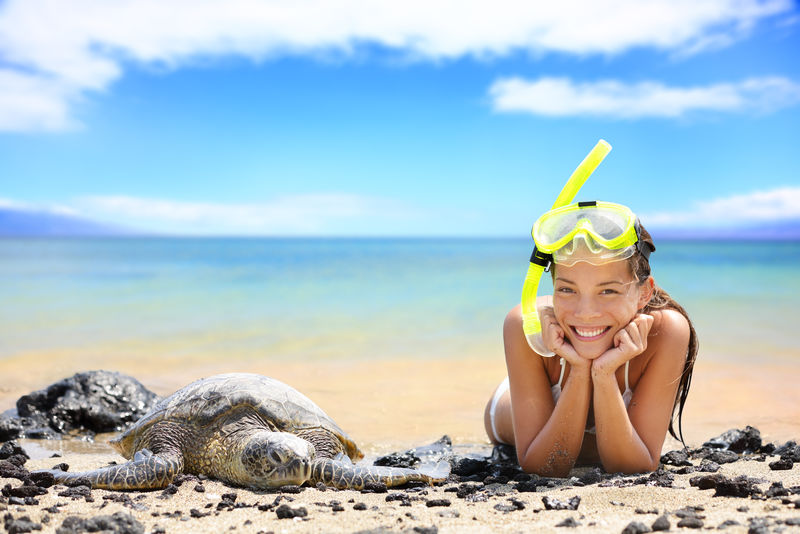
587 308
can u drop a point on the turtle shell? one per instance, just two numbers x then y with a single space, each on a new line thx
202 402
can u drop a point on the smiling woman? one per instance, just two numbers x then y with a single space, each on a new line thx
626 354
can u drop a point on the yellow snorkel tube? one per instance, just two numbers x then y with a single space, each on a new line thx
540 262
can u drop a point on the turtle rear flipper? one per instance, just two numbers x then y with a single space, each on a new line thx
343 475
145 471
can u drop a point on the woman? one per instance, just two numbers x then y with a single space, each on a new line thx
626 353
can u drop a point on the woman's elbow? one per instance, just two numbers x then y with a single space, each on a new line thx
628 468
545 469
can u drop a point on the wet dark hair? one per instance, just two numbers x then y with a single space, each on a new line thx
661 300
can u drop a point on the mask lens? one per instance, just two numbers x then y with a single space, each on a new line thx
597 233
607 225
602 222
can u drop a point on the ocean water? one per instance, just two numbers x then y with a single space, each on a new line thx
349 298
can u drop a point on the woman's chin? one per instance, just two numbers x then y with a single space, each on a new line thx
590 351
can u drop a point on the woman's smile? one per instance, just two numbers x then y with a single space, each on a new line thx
590 333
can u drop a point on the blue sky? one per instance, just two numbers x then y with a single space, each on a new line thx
397 118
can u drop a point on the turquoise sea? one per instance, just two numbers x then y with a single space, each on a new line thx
350 298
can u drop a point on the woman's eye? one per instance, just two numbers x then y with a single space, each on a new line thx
609 292
565 290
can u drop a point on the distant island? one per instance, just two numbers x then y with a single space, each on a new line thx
15 222
20 222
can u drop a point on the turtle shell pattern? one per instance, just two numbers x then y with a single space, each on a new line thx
201 403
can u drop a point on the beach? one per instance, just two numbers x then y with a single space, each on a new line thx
390 406
601 509
674 498
400 343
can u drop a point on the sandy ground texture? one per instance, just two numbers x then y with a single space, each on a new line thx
393 405
766 500
387 405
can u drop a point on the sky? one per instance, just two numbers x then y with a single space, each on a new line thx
397 118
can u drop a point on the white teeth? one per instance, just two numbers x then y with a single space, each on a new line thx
589 333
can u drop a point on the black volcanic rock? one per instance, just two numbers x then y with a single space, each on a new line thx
741 486
741 441
10 426
464 466
723 457
397 459
551 503
676 458
784 464
118 523
12 448
789 451
93 401
704 482
440 449
20 525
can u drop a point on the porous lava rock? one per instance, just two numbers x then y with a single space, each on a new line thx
118 523
88 402
741 441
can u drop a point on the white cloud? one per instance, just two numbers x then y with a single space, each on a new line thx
32 102
59 50
775 205
559 97
309 214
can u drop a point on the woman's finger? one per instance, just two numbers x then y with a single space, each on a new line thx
644 322
635 334
622 340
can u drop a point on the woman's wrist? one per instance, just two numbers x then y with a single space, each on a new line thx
581 370
602 371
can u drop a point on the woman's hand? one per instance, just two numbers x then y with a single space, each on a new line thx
629 342
555 339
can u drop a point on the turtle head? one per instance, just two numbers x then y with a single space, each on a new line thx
271 459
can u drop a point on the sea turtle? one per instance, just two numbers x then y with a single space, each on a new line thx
244 429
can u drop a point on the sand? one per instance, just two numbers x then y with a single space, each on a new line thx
397 404
601 509
388 405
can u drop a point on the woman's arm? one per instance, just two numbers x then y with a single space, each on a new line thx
630 441
548 436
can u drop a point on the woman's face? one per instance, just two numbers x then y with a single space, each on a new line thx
593 302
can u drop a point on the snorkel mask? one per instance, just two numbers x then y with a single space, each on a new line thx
593 232
541 259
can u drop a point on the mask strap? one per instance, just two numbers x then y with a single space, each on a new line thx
644 248
541 258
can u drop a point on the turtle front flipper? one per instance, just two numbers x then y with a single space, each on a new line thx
346 475
145 471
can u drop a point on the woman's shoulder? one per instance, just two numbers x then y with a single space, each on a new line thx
670 331
670 321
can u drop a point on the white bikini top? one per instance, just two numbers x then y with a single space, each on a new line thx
626 395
